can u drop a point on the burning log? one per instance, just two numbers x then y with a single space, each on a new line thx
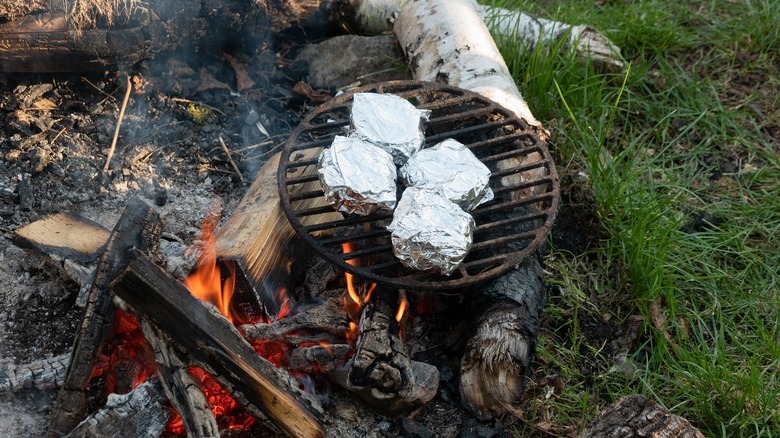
138 227
259 240
179 386
382 372
41 374
141 412
213 343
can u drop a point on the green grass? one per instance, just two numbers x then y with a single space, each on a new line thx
690 128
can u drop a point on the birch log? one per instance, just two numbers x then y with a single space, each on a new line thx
447 41
376 16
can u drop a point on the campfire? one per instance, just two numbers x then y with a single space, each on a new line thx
261 325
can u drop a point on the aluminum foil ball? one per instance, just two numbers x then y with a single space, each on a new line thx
429 232
454 169
357 177
389 122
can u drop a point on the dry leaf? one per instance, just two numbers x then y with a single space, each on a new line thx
44 104
179 69
207 82
141 85
316 96
243 81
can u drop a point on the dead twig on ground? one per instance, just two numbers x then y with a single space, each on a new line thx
118 124
230 159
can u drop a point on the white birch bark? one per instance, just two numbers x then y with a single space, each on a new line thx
447 41
375 16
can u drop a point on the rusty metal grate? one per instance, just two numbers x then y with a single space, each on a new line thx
509 228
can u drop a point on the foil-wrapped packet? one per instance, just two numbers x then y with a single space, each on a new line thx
453 168
390 122
429 232
357 177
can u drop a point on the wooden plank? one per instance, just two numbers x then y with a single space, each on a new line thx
259 239
64 236
214 344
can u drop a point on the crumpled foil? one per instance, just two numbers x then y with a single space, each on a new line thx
390 122
429 232
357 177
453 168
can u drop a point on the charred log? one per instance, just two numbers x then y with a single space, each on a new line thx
330 317
138 227
141 412
179 386
41 374
210 341
382 372
636 416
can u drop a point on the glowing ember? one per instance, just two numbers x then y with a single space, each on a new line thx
131 360
205 282
228 413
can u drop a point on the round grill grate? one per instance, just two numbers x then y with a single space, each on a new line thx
509 228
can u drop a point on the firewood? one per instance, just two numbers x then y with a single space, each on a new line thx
636 416
53 40
210 341
141 412
382 372
259 240
497 359
66 240
179 386
41 374
138 227
330 317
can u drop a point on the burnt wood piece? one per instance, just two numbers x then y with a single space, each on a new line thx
141 412
382 372
210 341
41 374
139 226
636 416
67 240
319 358
183 391
258 239
330 317
50 40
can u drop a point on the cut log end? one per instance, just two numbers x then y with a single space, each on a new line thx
496 362
636 416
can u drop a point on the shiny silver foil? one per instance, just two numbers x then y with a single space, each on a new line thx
429 232
357 177
390 122
453 168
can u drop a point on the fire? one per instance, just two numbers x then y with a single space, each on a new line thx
205 282
351 290
401 307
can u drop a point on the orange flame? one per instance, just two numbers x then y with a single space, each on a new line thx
205 281
401 307
351 289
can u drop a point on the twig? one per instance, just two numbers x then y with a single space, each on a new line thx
182 100
108 96
118 123
57 136
230 159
